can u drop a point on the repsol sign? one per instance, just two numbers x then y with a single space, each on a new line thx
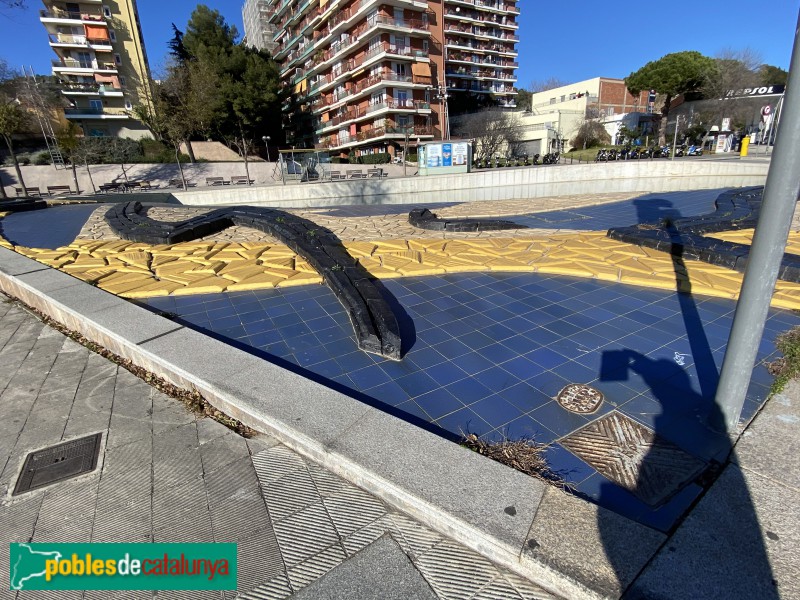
767 90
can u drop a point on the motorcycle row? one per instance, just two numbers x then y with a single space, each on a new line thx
536 159
633 153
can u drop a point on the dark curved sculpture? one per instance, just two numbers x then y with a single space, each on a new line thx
685 237
425 219
372 317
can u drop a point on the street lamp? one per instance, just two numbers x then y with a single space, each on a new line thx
442 96
266 140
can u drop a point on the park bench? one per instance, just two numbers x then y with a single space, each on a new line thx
112 187
376 173
336 175
241 180
29 191
54 190
355 174
216 181
139 185
177 183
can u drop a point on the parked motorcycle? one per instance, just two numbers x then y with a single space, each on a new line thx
694 151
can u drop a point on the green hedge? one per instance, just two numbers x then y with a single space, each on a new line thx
379 158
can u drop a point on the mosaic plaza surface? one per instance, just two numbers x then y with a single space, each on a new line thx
493 327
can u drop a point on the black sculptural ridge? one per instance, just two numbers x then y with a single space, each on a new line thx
684 237
425 219
373 319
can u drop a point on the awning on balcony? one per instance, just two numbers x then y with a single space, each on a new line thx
322 4
421 69
301 86
96 32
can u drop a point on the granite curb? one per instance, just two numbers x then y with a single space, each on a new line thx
514 520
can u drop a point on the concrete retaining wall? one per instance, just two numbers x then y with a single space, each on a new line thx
497 184
505 184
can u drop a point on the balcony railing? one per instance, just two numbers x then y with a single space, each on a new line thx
82 40
374 133
97 88
83 15
72 63
118 112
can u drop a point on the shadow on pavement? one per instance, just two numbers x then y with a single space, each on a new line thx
685 450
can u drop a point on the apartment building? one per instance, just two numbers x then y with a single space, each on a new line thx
370 76
101 63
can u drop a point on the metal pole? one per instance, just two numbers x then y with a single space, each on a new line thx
675 138
779 201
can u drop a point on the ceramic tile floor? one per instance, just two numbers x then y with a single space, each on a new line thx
486 354
51 228
647 208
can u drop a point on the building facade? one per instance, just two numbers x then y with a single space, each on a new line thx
556 115
371 76
101 63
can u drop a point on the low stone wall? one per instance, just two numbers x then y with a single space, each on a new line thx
506 184
496 184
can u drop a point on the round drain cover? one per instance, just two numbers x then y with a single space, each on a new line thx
580 398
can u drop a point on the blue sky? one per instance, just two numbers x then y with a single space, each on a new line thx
568 40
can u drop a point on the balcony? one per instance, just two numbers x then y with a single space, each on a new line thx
72 64
58 14
95 113
374 134
65 39
88 89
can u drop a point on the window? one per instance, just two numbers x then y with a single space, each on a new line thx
128 105
403 121
552 100
401 96
122 81
96 106
378 98
112 35
118 59
425 46
106 12
563 98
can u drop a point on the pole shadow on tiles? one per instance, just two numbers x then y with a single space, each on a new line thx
663 469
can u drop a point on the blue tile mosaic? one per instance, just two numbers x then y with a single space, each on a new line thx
486 353
51 228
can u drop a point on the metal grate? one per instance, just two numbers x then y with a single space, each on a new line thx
57 463
634 457
580 398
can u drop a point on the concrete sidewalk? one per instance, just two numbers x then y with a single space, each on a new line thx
165 475
743 538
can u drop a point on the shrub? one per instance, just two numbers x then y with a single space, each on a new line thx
42 158
379 158
338 160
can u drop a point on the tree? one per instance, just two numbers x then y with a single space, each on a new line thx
69 142
523 101
772 75
544 85
177 50
14 118
590 134
670 76
494 131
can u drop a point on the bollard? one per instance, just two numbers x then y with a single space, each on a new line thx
745 146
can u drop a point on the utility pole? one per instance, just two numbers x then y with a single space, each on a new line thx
766 252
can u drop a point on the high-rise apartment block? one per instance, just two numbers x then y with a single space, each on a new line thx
101 64
367 75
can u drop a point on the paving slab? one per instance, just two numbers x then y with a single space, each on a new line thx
167 475
769 446
741 541
381 570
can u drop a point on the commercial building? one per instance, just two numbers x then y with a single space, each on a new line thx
374 75
101 63
556 115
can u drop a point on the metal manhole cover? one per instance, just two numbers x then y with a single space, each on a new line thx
634 457
58 463
580 398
